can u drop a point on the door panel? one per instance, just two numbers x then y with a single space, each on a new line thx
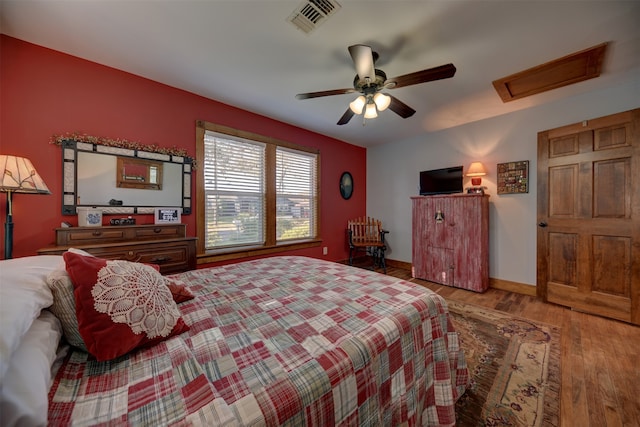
563 253
612 137
440 265
563 146
563 201
589 216
611 266
440 215
612 188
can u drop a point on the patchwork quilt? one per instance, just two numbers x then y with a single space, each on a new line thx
281 341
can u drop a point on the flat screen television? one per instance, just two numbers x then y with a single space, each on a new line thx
441 181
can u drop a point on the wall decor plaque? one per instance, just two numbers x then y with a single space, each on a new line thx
513 177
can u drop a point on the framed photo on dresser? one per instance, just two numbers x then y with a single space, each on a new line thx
167 216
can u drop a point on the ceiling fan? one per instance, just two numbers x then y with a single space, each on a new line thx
370 82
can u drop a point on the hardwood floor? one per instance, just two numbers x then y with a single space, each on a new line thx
600 357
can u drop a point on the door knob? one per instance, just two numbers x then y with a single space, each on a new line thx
542 224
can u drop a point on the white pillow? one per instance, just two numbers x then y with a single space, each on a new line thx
25 388
23 294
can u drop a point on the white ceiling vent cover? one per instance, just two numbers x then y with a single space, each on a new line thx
311 13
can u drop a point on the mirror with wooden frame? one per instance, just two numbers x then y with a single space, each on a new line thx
117 180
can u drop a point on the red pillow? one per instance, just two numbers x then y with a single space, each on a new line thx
121 305
179 290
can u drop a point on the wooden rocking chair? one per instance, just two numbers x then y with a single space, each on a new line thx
366 234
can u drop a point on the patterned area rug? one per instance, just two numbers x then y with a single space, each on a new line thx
514 366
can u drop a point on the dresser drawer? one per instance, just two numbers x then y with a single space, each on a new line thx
160 232
82 236
171 255
110 234
170 259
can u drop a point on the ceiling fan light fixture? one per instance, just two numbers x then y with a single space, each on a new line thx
370 112
382 101
357 104
370 82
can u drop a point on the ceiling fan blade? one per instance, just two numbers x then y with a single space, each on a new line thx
400 108
324 93
346 117
363 60
429 75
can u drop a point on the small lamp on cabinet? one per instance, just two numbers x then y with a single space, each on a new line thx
476 171
18 176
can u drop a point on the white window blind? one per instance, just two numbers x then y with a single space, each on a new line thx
296 196
234 181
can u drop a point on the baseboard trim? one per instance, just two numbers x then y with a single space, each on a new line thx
390 262
504 285
515 287
398 264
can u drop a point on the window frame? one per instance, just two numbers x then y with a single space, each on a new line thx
271 245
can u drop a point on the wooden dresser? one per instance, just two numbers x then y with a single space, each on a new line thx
166 245
451 240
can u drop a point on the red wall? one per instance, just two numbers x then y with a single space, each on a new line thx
44 92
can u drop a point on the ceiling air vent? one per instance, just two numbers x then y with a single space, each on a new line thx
311 13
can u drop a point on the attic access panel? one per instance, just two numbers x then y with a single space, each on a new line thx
573 68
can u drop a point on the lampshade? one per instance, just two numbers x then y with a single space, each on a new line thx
358 104
19 176
382 101
370 112
476 169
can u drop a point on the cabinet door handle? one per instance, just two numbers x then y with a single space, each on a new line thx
132 256
542 224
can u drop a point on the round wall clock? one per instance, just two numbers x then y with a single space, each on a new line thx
346 185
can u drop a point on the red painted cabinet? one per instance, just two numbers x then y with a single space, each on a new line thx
451 240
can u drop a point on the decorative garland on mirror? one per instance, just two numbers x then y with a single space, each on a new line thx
120 143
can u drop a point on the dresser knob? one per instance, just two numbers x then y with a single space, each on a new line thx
157 230
97 233
130 253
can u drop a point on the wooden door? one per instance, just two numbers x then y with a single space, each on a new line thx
588 254
471 234
440 215
419 237
432 239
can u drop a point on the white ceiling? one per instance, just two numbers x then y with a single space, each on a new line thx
246 54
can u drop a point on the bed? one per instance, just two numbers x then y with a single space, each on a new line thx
278 341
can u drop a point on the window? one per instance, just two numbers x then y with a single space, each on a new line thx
258 194
234 191
296 194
